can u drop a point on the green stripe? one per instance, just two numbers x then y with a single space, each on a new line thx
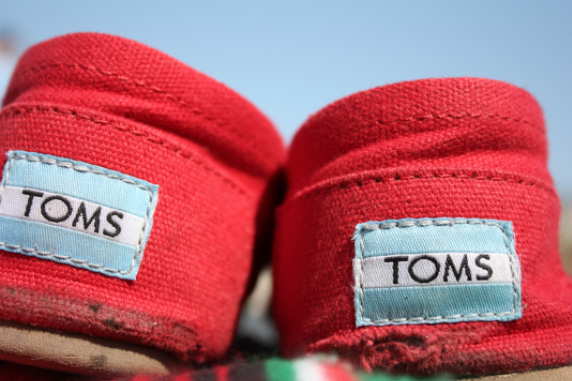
380 376
280 370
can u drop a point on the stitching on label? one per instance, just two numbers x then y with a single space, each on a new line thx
430 222
82 169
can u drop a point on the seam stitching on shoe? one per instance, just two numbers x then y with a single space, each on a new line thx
421 118
154 140
342 183
143 84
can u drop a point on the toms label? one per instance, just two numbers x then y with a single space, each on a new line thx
428 271
75 213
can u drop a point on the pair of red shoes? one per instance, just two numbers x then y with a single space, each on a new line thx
418 233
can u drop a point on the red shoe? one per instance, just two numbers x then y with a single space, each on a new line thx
134 192
419 233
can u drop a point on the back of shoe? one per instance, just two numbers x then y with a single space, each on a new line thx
426 233
131 199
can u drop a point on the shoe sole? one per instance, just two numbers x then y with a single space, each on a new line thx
77 353
556 374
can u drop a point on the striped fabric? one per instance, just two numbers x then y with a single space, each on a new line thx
311 368
304 369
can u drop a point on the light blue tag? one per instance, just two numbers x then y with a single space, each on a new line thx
75 213
442 270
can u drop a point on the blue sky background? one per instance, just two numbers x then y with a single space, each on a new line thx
292 58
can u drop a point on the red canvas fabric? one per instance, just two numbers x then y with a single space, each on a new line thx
463 147
115 103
